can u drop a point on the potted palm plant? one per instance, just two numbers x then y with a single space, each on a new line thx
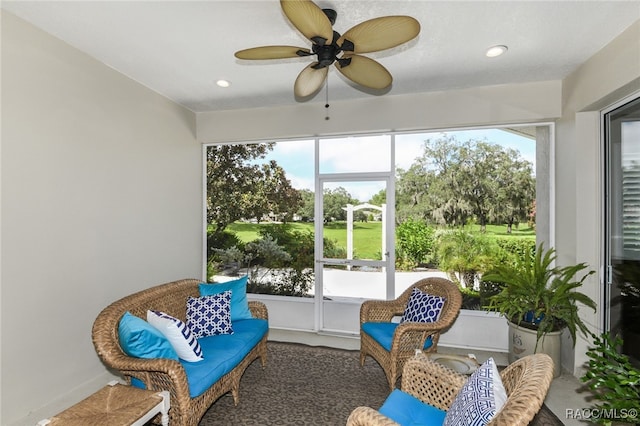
540 300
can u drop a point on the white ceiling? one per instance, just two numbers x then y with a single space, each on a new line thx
181 48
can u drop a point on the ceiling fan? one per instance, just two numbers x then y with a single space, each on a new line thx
345 51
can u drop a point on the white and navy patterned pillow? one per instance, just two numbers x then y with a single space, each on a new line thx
210 315
478 401
178 334
422 307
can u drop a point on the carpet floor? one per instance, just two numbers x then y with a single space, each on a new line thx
309 385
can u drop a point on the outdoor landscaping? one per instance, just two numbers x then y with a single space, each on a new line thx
462 207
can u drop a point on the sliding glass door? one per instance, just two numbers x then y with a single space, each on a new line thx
622 151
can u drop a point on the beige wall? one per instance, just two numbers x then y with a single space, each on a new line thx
101 196
609 76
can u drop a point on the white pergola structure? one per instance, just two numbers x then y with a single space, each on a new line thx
350 209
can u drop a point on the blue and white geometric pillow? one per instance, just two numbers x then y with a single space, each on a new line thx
478 401
178 334
422 307
210 315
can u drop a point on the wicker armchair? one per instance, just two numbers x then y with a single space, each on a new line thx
408 336
526 381
165 374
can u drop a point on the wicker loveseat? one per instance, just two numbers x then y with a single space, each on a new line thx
166 374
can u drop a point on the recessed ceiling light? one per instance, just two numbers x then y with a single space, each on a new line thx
223 83
494 51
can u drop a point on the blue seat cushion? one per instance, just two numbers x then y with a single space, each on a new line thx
410 411
382 332
222 353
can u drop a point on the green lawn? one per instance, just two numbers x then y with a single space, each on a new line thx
523 231
367 236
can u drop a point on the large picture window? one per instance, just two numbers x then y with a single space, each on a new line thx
366 216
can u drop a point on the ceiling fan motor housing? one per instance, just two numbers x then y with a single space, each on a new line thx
327 53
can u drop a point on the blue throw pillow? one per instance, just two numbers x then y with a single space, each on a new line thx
210 315
140 339
239 303
423 307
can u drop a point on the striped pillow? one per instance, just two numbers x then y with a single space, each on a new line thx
178 334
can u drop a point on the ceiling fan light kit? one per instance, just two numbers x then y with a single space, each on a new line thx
330 47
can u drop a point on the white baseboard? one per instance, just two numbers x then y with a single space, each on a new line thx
314 338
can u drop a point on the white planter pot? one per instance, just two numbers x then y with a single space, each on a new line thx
522 342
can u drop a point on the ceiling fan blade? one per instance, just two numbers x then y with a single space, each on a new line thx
310 80
309 19
380 33
364 71
272 52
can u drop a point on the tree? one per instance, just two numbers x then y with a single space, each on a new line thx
380 198
454 182
307 206
413 192
335 201
240 187
516 192
437 184
271 194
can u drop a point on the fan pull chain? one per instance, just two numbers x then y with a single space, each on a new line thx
326 105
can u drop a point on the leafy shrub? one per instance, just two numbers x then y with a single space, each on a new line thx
464 255
230 258
515 250
333 250
271 266
266 252
614 381
222 240
414 243
298 243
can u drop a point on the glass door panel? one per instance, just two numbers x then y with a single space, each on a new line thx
353 226
354 239
623 225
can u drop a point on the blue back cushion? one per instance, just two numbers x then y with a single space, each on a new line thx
140 339
382 332
408 410
239 303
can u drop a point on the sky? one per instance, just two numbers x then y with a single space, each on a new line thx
370 153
